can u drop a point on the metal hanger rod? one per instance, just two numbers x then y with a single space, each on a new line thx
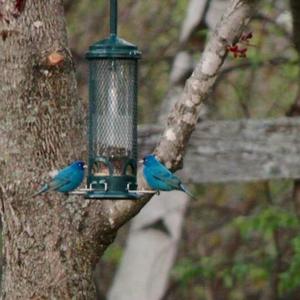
113 17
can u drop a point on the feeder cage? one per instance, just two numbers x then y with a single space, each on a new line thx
112 133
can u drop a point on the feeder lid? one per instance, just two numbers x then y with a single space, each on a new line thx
113 47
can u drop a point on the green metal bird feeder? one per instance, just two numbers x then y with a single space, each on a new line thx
112 124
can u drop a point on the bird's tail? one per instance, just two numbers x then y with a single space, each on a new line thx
43 189
184 189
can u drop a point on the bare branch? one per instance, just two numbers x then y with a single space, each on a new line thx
183 119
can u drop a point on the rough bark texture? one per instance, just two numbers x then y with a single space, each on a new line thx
52 242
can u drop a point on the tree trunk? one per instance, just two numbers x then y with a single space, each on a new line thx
52 242
48 245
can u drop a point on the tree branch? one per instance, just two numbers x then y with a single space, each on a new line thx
183 119
184 116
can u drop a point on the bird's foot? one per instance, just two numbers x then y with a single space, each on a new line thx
157 193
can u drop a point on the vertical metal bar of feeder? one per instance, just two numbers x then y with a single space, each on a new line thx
113 17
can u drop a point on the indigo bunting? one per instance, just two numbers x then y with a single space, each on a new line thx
159 178
65 180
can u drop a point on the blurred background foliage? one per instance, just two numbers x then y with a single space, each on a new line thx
240 240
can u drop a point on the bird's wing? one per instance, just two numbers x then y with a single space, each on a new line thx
53 185
64 173
57 183
167 177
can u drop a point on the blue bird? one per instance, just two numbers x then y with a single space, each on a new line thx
65 180
159 178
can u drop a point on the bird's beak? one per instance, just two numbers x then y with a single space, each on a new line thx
141 161
85 166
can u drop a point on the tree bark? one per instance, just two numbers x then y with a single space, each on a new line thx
52 242
184 116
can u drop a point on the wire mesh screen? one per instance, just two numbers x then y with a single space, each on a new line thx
113 108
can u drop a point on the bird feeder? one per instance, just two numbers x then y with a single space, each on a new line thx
112 123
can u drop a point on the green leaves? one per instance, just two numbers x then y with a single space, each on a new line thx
187 269
290 279
257 263
266 222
